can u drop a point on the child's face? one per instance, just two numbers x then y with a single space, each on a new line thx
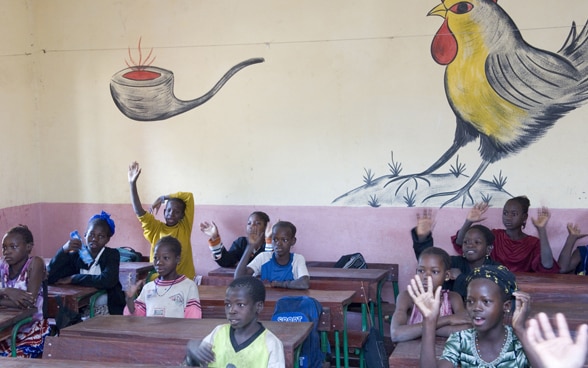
283 240
174 212
432 265
474 246
96 237
14 249
165 262
485 304
255 225
240 308
513 216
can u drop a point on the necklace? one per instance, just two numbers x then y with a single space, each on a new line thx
166 290
499 358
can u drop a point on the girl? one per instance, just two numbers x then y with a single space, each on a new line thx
170 295
22 276
476 248
513 248
70 266
489 343
406 321
256 226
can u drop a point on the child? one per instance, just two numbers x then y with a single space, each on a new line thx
476 248
256 225
513 248
243 342
179 216
570 259
69 267
21 278
489 343
406 321
556 350
281 268
170 295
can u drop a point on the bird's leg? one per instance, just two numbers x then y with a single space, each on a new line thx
464 191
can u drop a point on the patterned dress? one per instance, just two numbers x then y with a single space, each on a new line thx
31 336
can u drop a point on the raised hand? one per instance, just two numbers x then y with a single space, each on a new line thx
425 223
427 302
199 351
133 289
522 308
269 230
543 216
574 231
477 212
134 172
556 350
157 204
210 229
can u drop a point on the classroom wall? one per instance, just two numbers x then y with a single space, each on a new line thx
346 88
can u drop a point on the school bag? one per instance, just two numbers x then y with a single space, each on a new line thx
354 260
128 254
303 309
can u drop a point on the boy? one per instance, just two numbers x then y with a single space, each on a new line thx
179 216
243 342
281 268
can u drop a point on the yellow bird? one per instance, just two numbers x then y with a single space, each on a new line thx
502 90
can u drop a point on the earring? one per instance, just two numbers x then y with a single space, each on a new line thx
524 224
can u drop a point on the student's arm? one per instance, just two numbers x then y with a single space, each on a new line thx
134 172
188 199
541 224
476 214
569 258
242 269
62 264
108 278
459 320
300 283
400 330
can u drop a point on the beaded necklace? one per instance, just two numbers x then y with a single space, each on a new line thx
166 290
499 358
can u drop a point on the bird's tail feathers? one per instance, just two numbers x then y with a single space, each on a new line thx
575 47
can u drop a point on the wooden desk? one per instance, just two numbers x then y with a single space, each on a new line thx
555 288
56 363
334 302
158 340
73 297
10 321
407 354
131 272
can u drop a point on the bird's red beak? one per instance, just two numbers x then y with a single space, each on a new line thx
439 10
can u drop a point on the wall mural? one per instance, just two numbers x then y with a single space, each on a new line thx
146 93
503 92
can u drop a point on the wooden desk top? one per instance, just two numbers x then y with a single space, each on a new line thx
73 297
535 277
10 316
57 363
327 273
212 299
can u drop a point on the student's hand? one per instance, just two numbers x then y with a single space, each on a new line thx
157 204
556 350
72 245
425 223
268 230
522 307
543 216
574 231
210 229
21 298
133 290
134 172
427 302
454 273
477 212
64 280
202 353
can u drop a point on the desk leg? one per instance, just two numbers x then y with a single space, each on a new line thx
15 333
93 299
345 340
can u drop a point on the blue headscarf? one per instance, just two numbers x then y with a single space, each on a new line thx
105 217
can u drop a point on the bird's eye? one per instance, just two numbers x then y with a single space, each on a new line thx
462 7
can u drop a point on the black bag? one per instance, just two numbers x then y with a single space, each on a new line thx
374 350
128 254
354 260
65 316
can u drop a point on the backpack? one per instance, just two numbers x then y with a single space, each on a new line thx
354 260
303 309
128 254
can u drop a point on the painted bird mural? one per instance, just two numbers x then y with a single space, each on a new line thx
502 90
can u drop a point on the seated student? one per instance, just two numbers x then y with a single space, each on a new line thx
406 323
570 259
170 295
21 280
281 268
70 265
555 350
179 217
243 342
256 224
476 248
490 343
512 247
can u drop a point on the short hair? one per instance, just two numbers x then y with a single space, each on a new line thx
523 201
262 215
103 219
486 233
498 274
178 200
172 243
253 285
22 230
439 252
286 224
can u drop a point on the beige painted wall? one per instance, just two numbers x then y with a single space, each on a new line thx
343 84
